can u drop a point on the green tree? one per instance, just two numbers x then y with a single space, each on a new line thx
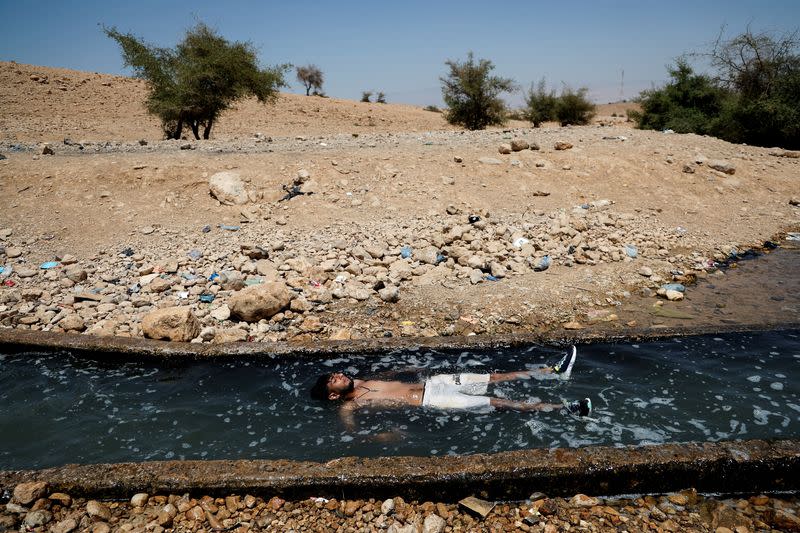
200 78
365 96
540 104
472 94
574 107
380 98
311 77
688 103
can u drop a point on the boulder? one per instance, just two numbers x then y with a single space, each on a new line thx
518 145
98 510
26 493
228 188
253 303
561 145
172 323
504 148
72 322
722 166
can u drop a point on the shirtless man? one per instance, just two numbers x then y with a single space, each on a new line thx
444 391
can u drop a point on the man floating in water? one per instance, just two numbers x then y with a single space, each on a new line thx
443 391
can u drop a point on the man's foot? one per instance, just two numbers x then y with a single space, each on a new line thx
564 367
580 407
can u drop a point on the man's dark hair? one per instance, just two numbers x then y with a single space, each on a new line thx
320 389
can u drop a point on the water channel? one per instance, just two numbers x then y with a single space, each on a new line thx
56 408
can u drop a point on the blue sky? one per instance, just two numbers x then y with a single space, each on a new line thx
400 47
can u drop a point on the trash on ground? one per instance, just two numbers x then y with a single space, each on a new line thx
47 265
473 219
793 236
133 289
213 277
206 298
183 295
631 251
195 254
615 138
542 264
228 228
9 283
253 281
405 252
2 269
668 131
489 277
674 287
127 252
480 507
519 242
206 228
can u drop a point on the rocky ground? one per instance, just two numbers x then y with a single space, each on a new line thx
393 229
34 508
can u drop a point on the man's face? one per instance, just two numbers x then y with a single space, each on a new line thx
338 385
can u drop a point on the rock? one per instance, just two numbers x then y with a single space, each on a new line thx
147 230
253 303
561 145
341 334
98 510
724 516
448 180
646 271
389 294
794 200
782 520
24 272
172 323
480 507
688 169
47 150
65 526
572 325
221 313
75 274
490 161
722 166
231 280
228 188
164 519
428 255
266 268
433 524
311 324
673 295
140 499
230 335
387 507
63 499
582 500
159 285
518 145
37 518
13 252
72 322
504 148
457 159
27 493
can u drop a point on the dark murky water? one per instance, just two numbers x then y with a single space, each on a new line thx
57 409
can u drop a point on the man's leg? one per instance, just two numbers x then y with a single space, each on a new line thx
510 405
563 368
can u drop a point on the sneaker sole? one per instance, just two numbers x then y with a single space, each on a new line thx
568 372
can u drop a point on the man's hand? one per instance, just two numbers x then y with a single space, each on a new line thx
384 437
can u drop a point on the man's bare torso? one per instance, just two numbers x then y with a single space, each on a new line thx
367 392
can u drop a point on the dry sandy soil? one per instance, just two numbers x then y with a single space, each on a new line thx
385 176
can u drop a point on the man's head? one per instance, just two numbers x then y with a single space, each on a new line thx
332 386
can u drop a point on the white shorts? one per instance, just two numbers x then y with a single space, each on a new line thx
456 391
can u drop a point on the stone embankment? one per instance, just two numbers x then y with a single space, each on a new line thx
33 507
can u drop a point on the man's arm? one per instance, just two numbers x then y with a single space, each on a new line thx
347 413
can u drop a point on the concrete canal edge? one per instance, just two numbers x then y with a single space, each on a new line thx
725 467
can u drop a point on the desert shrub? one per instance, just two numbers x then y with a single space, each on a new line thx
380 98
312 78
515 114
540 104
200 78
432 109
574 107
752 97
472 94
366 95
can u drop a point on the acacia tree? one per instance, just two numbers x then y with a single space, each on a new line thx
540 104
472 94
311 77
200 78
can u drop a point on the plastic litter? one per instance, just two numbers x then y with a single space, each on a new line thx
2 269
405 252
314 283
673 287
489 277
187 276
195 254
206 228
793 236
440 258
341 278
134 289
519 242
542 264
681 230
668 131
473 219
253 281
228 228
183 295
206 298
213 277
48 265
9 283
584 206
631 251
127 252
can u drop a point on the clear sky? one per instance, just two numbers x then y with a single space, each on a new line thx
399 47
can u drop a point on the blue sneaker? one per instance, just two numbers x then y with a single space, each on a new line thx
580 407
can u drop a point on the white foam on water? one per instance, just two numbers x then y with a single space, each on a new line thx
754 379
776 385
